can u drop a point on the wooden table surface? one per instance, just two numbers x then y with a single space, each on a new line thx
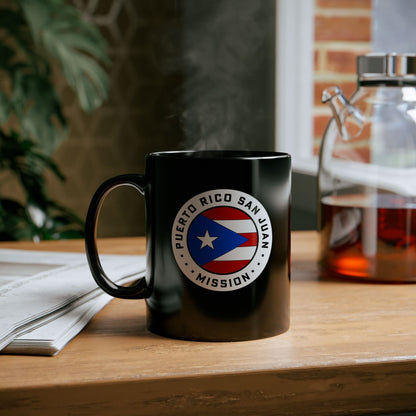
351 349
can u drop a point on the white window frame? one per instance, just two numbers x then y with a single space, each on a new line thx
294 82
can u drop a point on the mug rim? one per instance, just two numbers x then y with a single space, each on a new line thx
220 154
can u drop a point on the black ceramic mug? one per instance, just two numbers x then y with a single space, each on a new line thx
218 243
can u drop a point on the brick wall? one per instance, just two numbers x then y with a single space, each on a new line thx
342 32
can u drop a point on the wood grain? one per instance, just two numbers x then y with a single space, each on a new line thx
351 349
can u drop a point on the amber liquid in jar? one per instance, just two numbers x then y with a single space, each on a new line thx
370 238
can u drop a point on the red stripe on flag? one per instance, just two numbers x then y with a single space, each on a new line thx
225 213
225 267
252 239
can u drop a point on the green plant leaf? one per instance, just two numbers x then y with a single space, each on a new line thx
6 55
14 222
4 107
34 34
22 158
10 21
39 110
39 217
62 33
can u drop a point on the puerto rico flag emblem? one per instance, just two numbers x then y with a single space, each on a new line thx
222 239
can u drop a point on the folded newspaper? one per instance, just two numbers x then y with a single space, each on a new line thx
46 298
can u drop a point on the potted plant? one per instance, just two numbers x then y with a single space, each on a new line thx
37 38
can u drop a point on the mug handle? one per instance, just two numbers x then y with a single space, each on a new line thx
140 289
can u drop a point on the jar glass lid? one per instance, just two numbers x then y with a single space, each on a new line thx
386 66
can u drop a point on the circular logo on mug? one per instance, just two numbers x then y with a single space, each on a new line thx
222 239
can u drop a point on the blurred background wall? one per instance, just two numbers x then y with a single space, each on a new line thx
196 74
184 74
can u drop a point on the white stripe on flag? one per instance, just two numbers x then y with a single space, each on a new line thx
238 226
239 253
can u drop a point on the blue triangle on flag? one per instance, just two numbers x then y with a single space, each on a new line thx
225 241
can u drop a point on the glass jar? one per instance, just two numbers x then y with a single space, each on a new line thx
367 174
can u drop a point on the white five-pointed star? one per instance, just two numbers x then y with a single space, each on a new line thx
207 240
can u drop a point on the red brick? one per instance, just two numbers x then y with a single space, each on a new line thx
316 59
319 125
356 148
343 28
342 62
348 151
353 151
344 4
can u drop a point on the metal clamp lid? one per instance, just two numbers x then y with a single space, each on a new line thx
390 66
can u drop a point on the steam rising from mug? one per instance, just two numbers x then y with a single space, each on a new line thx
227 62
